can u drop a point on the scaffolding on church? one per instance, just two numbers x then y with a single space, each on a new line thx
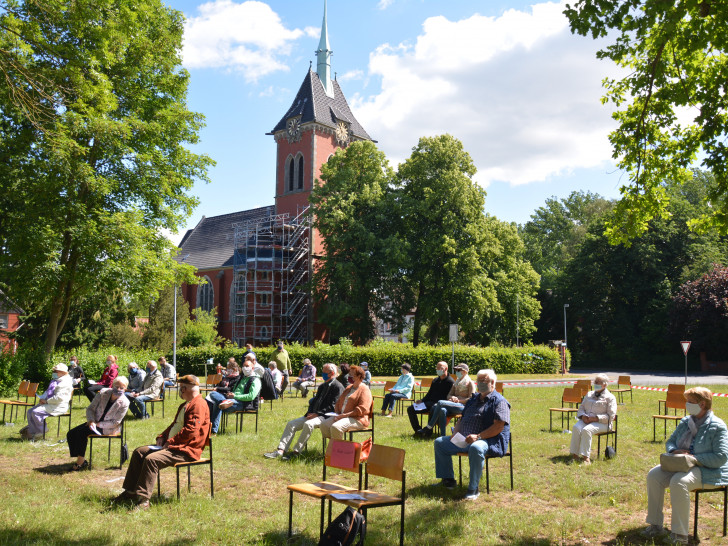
270 270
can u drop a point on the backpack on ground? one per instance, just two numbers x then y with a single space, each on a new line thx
345 529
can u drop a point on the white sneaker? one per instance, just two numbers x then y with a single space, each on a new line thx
653 531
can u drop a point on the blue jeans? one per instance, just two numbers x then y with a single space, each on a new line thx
440 411
444 451
214 399
138 405
390 399
169 383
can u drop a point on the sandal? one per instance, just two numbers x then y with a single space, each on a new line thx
78 467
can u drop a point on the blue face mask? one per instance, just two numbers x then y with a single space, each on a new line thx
598 387
133 371
149 370
54 375
325 376
459 374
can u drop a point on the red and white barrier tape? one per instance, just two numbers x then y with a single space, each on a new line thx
720 394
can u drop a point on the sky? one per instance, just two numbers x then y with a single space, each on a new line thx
507 78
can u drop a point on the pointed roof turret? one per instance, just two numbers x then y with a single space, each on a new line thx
323 56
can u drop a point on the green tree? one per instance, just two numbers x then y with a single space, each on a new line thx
89 183
159 332
353 212
202 330
443 222
675 58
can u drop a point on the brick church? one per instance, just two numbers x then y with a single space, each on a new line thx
256 262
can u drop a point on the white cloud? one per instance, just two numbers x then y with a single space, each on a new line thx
384 4
519 90
247 36
351 75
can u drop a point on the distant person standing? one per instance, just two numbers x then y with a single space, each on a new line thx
283 361
249 351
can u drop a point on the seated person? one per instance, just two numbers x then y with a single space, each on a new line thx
367 374
343 377
76 372
596 414
243 398
704 436
485 424
352 408
136 378
151 389
54 401
105 413
461 391
182 441
321 403
306 379
438 391
277 377
230 379
402 389
257 368
169 372
107 378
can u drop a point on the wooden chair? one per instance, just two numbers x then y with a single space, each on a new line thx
311 388
61 416
508 454
499 387
583 384
168 389
159 400
572 396
211 382
319 490
675 401
122 440
26 389
385 462
188 466
612 432
425 384
22 391
724 489
240 415
365 430
672 387
387 385
619 391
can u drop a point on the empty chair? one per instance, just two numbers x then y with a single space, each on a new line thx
571 396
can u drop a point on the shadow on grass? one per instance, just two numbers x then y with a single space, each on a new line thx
54 469
560 459
10 536
280 537
629 536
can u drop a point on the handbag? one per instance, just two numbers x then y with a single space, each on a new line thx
348 526
682 462
366 447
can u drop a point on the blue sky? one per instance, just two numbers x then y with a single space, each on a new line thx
505 77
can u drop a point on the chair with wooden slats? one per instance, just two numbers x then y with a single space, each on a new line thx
674 401
508 454
122 440
606 434
22 391
620 390
60 416
387 385
572 396
188 465
672 387
30 392
499 387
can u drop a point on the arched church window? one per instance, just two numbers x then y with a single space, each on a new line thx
291 174
300 172
206 295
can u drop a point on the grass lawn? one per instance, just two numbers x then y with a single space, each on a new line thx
553 502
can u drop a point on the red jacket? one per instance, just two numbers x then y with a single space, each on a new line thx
110 373
195 430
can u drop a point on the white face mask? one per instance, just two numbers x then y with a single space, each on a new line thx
440 372
692 409
247 371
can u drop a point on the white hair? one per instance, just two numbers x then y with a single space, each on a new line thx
489 373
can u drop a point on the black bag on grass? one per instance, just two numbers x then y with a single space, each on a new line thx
345 529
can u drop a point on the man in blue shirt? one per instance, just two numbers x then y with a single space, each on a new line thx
485 426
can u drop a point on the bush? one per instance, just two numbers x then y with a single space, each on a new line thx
124 335
25 364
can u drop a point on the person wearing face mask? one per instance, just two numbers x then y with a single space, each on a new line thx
105 414
438 391
596 414
704 436
402 389
352 408
107 378
228 382
485 424
367 374
54 401
454 402
321 403
276 376
151 389
76 372
136 377
169 372
283 361
243 397
306 379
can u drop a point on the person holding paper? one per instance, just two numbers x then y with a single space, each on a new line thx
483 429
321 403
438 391
103 416
182 441
596 414
704 436
460 392
402 389
54 401
352 408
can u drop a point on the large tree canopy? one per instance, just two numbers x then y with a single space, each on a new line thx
93 127
672 104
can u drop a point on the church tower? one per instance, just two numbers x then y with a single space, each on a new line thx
318 122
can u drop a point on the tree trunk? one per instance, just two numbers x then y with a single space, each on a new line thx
418 318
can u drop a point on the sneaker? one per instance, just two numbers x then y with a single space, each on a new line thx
79 467
676 539
449 483
653 531
472 494
290 455
273 454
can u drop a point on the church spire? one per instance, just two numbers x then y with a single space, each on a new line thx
323 54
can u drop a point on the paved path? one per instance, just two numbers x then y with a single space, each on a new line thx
640 377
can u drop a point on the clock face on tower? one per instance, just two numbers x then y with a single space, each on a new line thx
342 133
293 130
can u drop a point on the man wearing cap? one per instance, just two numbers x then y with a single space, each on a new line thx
439 390
461 391
54 401
182 441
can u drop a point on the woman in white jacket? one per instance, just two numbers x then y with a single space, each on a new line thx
54 401
596 414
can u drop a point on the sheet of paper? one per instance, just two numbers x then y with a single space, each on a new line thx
94 429
343 454
419 406
91 381
154 448
331 414
459 440
347 496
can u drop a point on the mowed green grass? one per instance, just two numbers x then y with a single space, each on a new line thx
553 502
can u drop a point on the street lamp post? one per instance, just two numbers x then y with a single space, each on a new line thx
174 333
565 306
